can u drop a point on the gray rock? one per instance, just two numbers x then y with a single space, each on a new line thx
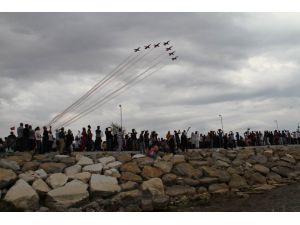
106 160
218 188
169 179
237 181
29 176
147 205
153 186
57 180
114 165
22 196
129 185
178 159
84 161
94 168
130 167
51 167
83 176
30 166
104 185
41 173
160 202
177 190
72 170
41 187
70 195
7 177
165 166
261 169
9 164
208 180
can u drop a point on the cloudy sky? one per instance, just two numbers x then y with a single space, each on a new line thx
240 65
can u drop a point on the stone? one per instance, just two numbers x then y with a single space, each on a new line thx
257 178
51 167
94 168
21 157
84 161
58 157
210 171
112 172
128 197
191 181
9 164
104 185
289 159
237 181
78 157
41 173
160 202
208 180
151 172
137 156
128 176
147 205
129 185
184 169
154 186
130 167
169 179
72 170
22 196
237 162
218 188
43 209
268 153
30 166
70 195
220 157
83 176
124 157
106 160
165 166
258 159
224 176
145 161
245 154
202 190
41 186
57 180
261 169
29 176
274 177
264 187
115 165
43 157
69 161
178 159
177 190
282 171
199 164
7 177
221 164
193 156
168 157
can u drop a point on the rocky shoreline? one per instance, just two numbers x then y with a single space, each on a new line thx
99 181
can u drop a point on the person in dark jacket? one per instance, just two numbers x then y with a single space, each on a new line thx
69 141
45 142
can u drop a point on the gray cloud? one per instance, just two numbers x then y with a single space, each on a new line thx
241 65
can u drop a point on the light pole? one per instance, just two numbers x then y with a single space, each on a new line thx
121 115
221 121
276 124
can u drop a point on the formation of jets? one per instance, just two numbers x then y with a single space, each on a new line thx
157 46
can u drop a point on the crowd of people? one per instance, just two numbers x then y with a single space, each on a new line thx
43 140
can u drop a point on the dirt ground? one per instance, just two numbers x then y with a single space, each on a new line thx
281 199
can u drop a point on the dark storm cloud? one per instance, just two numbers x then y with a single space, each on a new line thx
47 60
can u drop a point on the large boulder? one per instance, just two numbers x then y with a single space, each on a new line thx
184 169
72 170
30 166
282 170
84 161
193 156
168 157
245 154
128 176
154 186
94 168
41 173
151 172
57 180
7 177
112 172
165 166
71 194
124 157
41 186
29 176
177 190
69 161
9 164
268 153
130 167
257 178
104 185
169 179
261 169
22 196
208 180
20 157
178 159
129 185
106 160
237 181
144 161
210 171
259 159
112 165
51 167
218 188
288 158
83 176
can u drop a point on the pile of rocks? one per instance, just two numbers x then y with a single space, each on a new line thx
126 182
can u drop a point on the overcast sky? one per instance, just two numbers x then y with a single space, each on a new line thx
242 66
